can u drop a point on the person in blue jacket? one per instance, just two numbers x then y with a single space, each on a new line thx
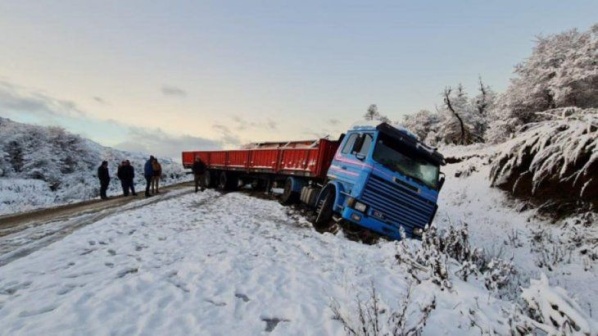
148 172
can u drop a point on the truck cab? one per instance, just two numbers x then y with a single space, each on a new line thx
382 179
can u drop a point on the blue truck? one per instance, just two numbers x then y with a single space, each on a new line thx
375 179
382 179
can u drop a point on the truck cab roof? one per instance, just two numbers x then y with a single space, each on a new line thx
405 137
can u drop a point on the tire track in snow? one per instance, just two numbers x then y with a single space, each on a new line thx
33 238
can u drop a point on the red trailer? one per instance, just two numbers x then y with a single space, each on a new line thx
263 163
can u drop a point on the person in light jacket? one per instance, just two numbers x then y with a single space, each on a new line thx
157 173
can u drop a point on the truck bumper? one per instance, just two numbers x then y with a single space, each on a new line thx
376 225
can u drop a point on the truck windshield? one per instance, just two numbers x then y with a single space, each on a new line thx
392 155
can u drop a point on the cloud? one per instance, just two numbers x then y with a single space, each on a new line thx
242 124
29 106
168 90
227 137
100 100
159 143
15 99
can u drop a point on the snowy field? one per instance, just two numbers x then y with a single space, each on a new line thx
214 264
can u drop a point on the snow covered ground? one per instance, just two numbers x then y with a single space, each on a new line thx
231 264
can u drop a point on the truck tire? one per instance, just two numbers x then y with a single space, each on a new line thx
324 221
228 181
288 196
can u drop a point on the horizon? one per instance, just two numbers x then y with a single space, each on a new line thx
164 78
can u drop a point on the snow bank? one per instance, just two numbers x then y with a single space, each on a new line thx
552 160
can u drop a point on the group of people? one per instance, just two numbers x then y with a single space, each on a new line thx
126 174
152 171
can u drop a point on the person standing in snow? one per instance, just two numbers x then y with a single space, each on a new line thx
148 173
104 176
129 176
121 176
199 170
157 169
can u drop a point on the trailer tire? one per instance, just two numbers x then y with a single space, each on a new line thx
324 221
209 180
289 196
228 181
259 184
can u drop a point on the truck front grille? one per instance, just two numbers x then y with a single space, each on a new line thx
395 204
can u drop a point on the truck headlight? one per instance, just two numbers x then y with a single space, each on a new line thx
360 207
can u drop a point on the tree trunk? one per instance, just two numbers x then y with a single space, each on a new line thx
447 101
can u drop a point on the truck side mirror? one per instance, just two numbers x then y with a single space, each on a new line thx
441 181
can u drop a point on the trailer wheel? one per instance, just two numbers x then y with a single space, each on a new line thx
228 181
288 196
324 221
209 180
259 184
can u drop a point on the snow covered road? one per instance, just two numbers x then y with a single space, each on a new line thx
210 264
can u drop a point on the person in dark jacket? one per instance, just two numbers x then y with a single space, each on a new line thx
148 173
199 170
104 176
121 176
129 177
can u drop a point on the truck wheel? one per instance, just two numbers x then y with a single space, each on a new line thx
228 181
288 195
324 221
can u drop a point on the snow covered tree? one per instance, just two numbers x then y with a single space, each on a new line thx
460 120
462 123
424 124
561 72
483 103
373 114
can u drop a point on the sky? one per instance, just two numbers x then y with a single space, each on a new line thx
162 77
235 264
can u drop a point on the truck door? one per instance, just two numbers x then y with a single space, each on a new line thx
349 162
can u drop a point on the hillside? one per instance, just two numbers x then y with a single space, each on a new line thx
52 166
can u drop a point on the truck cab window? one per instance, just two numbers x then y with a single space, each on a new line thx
349 144
367 143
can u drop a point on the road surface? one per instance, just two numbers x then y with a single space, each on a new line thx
24 233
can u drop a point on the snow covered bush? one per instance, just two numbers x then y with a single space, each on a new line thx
373 317
438 248
551 310
552 160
